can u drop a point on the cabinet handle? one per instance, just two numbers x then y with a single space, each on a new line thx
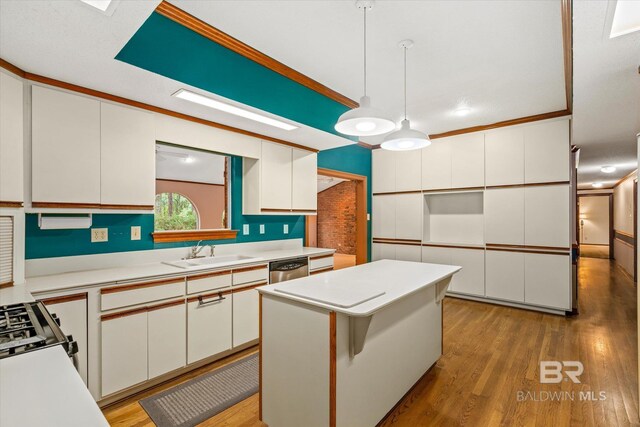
202 303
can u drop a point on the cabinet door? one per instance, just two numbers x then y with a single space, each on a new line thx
546 148
408 216
383 171
408 171
547 280
505 275
167 339
305 180
436 165
384 216
408 253
546 217
504 216
73 321
11 139
383 251
209 327
276 176
436 255
469 280
65 147
504 156
124 352
127 156
245 316
467 160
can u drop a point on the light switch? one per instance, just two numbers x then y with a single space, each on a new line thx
285 229
136 232
261 228
245 229
99 235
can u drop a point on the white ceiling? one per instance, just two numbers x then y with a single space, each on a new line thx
326 182
606 86
202 166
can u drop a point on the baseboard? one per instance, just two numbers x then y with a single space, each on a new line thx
508 304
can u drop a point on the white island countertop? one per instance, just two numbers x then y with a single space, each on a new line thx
364 289
43 388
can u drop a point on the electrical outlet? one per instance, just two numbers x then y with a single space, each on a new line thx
261 228
99 235
136 232
285 229
245 229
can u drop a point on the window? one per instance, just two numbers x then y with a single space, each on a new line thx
173 211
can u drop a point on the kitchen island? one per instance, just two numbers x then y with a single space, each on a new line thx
342 348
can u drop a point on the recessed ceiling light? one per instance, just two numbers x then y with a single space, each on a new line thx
462 111
626 18
228 108
102 5
189 159
608 169
597 185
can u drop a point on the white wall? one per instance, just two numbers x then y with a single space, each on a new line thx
623 206
594 220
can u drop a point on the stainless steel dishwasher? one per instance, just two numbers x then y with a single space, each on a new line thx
289 269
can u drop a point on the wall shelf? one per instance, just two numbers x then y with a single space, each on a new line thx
454 218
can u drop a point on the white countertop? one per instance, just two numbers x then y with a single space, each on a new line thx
378 284
15 294
43 388
58 282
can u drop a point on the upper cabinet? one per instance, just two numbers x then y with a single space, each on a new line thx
65 148
396 171
436 165
504 156
384 171
467 160
546 152
90 154
282 181
11 140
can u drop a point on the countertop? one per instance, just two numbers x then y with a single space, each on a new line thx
43 388
392 279
64 281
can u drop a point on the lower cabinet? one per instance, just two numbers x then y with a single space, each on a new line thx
547 280
124 350
167 336
469 280
383 251
245 315
505 275
209 319
408 253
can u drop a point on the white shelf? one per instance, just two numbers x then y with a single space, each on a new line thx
454 218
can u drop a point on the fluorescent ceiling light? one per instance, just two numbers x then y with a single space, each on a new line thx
626 18
227 108
608 169
102 5
597 185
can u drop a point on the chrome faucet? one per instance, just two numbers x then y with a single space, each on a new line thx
195 250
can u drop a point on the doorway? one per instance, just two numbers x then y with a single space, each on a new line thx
595 225
341 221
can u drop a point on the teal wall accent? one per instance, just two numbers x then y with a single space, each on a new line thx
165 47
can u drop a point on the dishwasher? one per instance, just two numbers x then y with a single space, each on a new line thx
289 269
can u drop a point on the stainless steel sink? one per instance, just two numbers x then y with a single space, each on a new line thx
212 261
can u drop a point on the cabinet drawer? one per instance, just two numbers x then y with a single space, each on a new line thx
209 281
250 274
318 262
140 293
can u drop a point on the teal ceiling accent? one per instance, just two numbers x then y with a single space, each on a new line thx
165 47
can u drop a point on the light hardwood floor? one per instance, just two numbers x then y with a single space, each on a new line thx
491 353
343 261
594 251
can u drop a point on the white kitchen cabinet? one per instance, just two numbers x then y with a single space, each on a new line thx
546 148
127 156
505 275
436 255
548 280
11 139
547 215
276 177
124 351
469 280
384 216
467 160
167 335
504 216
436 164
209 325
65 148
408 216
383 251
384 171
245 315
72 313
408 171
304 180
408 253
504 156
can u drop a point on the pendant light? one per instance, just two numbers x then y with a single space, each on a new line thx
406 138
364 120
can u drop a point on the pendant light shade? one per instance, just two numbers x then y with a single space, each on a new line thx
405 138
364 120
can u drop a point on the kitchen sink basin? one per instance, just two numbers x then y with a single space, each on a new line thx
212 261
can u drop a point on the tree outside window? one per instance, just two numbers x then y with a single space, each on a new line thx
173 211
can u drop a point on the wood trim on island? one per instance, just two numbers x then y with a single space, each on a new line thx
192 235
332 369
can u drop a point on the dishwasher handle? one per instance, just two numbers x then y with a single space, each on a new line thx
289 265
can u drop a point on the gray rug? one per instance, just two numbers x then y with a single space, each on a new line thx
201 398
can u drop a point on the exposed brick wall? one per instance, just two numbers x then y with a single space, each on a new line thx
337 218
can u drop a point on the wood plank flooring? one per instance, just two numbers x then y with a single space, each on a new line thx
491 353
594 251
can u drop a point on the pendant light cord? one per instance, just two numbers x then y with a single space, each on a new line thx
365 51
405 82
